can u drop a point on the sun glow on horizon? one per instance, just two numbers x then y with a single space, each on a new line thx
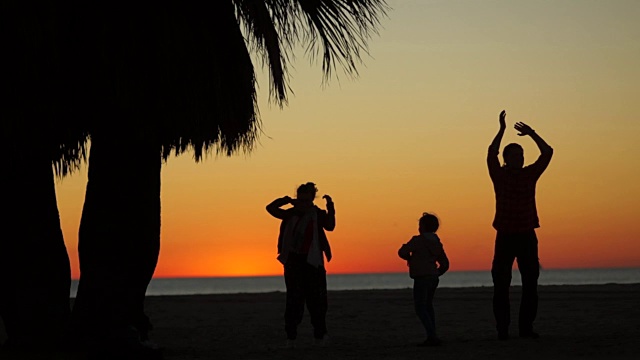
411 134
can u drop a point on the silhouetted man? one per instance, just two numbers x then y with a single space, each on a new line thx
515 220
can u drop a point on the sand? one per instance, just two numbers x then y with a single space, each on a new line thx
575 322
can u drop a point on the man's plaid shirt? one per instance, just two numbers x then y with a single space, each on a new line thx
515 191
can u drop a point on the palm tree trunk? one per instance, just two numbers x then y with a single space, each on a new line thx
119 238
35 275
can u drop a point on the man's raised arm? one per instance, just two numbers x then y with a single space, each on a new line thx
546 151
494 149
525 129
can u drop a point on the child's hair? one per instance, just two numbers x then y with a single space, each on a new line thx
429 222
308 188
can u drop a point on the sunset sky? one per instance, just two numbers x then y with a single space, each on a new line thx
410 134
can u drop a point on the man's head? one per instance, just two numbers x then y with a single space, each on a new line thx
428 223
306 192
513 155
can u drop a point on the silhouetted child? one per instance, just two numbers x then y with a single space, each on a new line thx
427 261
302 246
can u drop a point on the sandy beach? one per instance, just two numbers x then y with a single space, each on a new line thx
575 322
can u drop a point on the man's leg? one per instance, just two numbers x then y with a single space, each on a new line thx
501 273
317 303
294 310
529 266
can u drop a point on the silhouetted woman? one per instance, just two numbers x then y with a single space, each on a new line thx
302 245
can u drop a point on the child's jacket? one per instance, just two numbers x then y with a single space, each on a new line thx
424 253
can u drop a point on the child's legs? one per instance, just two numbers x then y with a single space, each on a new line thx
432 286
316 295
294 310
422 304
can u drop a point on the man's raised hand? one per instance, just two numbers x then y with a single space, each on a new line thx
503 117
523 129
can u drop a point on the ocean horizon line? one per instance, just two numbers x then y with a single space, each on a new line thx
622 268
378 281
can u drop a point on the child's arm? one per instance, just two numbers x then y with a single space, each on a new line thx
443 263
406 250
437 250
274 207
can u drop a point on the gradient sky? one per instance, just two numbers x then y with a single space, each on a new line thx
410 134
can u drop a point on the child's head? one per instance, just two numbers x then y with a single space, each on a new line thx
306 192
428 223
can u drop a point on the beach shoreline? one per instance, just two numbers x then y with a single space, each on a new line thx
575 322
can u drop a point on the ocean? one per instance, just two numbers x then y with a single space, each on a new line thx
452 279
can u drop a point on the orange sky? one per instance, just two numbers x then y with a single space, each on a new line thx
410 135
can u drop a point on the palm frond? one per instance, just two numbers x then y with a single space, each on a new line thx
35 117
335 30
256 18
180 73
211 102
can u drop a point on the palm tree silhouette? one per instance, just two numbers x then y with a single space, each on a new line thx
36 133
146 82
